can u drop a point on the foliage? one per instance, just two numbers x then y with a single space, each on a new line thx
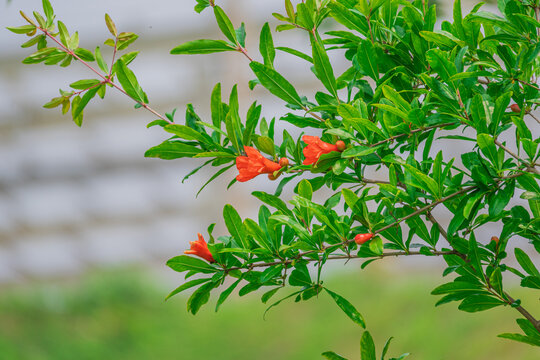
407 87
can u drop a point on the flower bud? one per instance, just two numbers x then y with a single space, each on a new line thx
495 239
341 145
284 162
515 108
362 238
273 176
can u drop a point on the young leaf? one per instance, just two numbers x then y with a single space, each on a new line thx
225 24
129 82
111 26
266 46
367 347
526 263
203 46
324 70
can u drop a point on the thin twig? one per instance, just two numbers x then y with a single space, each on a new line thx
392 138
534 117
531 167
524 312
340 257
105 78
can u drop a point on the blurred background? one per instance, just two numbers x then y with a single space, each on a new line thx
87 223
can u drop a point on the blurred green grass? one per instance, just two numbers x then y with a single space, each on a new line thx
121 315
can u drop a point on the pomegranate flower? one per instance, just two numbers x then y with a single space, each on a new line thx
316 147
362 238
200 248
254 164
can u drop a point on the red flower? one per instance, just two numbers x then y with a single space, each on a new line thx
254 164
362 238
315 148
200 248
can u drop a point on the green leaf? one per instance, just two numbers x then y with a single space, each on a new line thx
200 297
439 61
233 123
84 54
330 355
367 347
294 52
299 229
187 133
188 263
347 308
101 62
21 29
266 46
475 303
273 201
456 287
84 84
300 276
129 82
225 294
225 24
48 10
186 286
348 18
203 46
111 26
84 101
364 126
488 148
234 224
305 189
396 98
394 110
266 145
367 59
526 263
324 70
488 18
276 83
169 150
358 151
521 338
425 182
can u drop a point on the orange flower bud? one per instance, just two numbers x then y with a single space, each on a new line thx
340 144
273 177
515 108
283 162
200 248
362 238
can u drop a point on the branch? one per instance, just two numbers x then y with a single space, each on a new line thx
339 257
530 166
392 138
525 313
105 78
